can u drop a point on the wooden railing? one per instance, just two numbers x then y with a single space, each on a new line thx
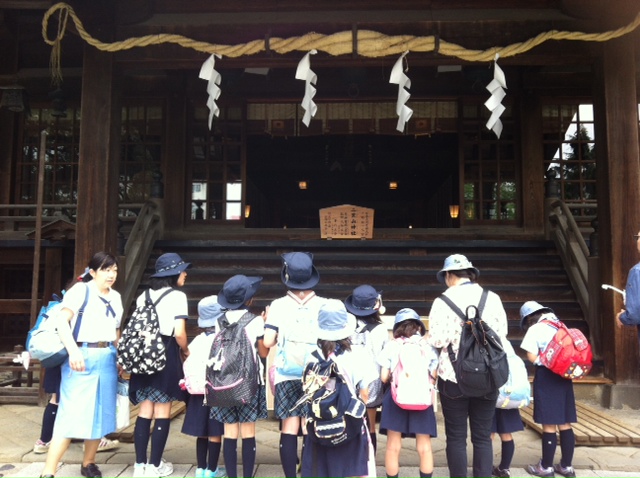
146 230
581 264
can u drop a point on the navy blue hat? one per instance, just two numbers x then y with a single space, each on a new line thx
209 311
364 300
238 290
298 271
170 264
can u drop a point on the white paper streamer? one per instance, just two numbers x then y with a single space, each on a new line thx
304 72
209 73
404 83
494 103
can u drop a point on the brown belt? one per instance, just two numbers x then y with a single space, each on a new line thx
94 345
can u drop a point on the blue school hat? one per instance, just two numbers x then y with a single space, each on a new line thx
209 311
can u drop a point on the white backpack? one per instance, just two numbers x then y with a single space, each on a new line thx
195 366
411 386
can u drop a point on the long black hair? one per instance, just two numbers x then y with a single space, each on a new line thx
157 283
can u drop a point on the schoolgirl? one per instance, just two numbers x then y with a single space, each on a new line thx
554 405
398 421
89 377
354 457
197 419
365 303
235 297
505 423
291 324
155 392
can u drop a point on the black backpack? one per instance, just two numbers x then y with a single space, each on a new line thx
141 349
336 414
481 366
232 373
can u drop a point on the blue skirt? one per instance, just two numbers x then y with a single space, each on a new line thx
286 396
197 420
553 400
248 413
87 407
507 420
407 422
52 379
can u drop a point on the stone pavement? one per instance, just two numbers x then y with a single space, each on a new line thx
20 425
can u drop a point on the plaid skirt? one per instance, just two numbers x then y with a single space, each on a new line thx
287 394
249 413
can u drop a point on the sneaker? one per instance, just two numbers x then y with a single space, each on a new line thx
164 469
106 445
539 470
200 472
139 470
41 447
91 471
221 472
497 472
567 471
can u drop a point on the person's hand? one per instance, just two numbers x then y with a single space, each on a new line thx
619 323
76 360
264 314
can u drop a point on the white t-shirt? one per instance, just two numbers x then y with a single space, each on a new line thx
100 319
172 306
538 336
357 366
388 358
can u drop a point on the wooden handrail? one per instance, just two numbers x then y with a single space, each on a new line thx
144 233
573 250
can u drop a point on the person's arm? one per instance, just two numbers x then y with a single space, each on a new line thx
180 331
631 314
263 350
385 375
62 321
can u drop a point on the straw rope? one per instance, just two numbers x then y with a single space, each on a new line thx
369 43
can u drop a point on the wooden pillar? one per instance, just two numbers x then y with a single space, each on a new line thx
99 159
618 183
533 177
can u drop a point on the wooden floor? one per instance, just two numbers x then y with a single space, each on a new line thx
125 435
594 428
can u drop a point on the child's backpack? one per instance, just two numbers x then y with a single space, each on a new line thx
481 366
361 340
195 365
141 349
516 392
232 373
46 311
336 414
411 386
568 354
298 341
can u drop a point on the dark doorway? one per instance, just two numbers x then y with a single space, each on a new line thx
352 169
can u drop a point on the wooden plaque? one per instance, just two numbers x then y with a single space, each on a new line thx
346 222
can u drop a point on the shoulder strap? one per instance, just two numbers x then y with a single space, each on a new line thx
76 328
483 301
453 306
164 294
555 324
456 309
246 318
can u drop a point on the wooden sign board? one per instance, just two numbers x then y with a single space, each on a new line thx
346 222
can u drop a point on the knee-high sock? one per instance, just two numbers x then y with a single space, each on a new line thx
230 454
159 439
567 446
549 443
374 441
288 454
202 447
248 456
425 475
48 420
214 455
508 449
141 433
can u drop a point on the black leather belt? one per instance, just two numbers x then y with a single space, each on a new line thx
94 345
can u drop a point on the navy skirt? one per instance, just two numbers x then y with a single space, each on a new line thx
197 420
507 420
553 400
166 381
348 459
407 422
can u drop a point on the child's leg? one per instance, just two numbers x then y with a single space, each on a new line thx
201 452
248 432
229 450
508 449
567 444
214 446
392 453
549 444
289 445
423 445
371 415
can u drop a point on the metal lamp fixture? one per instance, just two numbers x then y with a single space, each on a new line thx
454 211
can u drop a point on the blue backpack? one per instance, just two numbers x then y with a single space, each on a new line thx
46 311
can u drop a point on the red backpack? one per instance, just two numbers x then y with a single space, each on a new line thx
568 354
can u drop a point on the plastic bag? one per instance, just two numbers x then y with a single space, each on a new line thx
122 404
